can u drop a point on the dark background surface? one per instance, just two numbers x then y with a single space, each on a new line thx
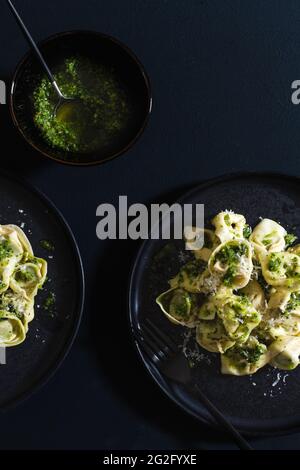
221 72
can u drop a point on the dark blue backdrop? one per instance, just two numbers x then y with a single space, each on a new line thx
221 72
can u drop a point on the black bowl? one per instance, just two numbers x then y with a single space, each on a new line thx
101 49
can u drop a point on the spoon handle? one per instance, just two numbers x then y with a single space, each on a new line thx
30 40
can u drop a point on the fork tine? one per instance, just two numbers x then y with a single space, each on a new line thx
152 355
167 341
155 342
149 340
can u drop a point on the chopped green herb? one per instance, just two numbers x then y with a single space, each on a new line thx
267 242
180 305
252 355
289 239
274 263
5 250
47 245
291 270
25 276
100 113
13 309
247 231
229 276
293 303
231 254
227 219
50 301
191 269
243 299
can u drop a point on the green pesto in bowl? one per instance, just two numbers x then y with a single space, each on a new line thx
101 112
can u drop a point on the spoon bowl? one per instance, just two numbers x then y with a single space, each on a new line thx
65 106
61 98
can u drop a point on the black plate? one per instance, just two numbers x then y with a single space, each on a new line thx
51 333
266 403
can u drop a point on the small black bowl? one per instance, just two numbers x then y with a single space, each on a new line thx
101 49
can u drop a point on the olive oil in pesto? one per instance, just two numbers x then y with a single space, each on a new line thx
101 112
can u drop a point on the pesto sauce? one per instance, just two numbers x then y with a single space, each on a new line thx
101 112
274 263
50 301
5 250
25 276
251 355
289 239
180 305
229 276
291 270
293 303
230 256
47 245
247 231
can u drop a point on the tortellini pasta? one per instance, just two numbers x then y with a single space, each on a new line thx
268 236
283 313
281 269
237 314
229 226
294 249
28 277
246 359
212 336
21 275
12 330
189 277
241 293
254 292
232 263
288 358
179 306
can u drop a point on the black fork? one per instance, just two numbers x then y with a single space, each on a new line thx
172 363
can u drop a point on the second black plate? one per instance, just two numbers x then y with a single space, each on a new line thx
52 331
269 401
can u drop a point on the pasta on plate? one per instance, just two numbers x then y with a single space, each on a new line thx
21 275
241 294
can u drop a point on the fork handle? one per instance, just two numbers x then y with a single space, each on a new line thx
223 421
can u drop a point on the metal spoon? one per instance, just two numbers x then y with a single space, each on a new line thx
64 103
